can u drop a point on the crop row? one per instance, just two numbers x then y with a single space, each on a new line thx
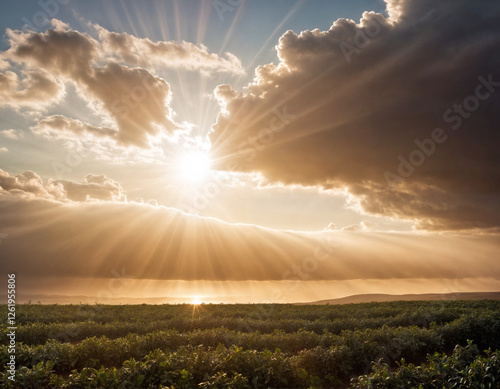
39 333
188 367
94 352
408 342
413 310
240 347
195 367
465 368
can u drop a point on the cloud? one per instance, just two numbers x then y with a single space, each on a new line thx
26 185
362 226
136 100
35 89
169 54
4 149
29 185
344 107
331 227
73 55
86 140
72 235
3 64
61 52
98 187
59 126
11 134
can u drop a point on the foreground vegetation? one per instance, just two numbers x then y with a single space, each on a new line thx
444 344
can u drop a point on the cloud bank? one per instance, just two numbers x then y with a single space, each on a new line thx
88 229
400 110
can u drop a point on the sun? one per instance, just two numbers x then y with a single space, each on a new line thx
196 301
194 166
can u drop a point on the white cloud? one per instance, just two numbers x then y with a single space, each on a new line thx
11 134
29 185
35 89
169 54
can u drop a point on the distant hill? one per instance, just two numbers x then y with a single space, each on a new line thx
359 298
367 298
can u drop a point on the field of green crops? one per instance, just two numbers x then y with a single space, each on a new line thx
439 344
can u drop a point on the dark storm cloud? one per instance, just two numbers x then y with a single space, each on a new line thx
401 110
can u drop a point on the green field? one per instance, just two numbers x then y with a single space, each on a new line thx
412 344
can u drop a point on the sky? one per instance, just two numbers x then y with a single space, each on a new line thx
249 150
